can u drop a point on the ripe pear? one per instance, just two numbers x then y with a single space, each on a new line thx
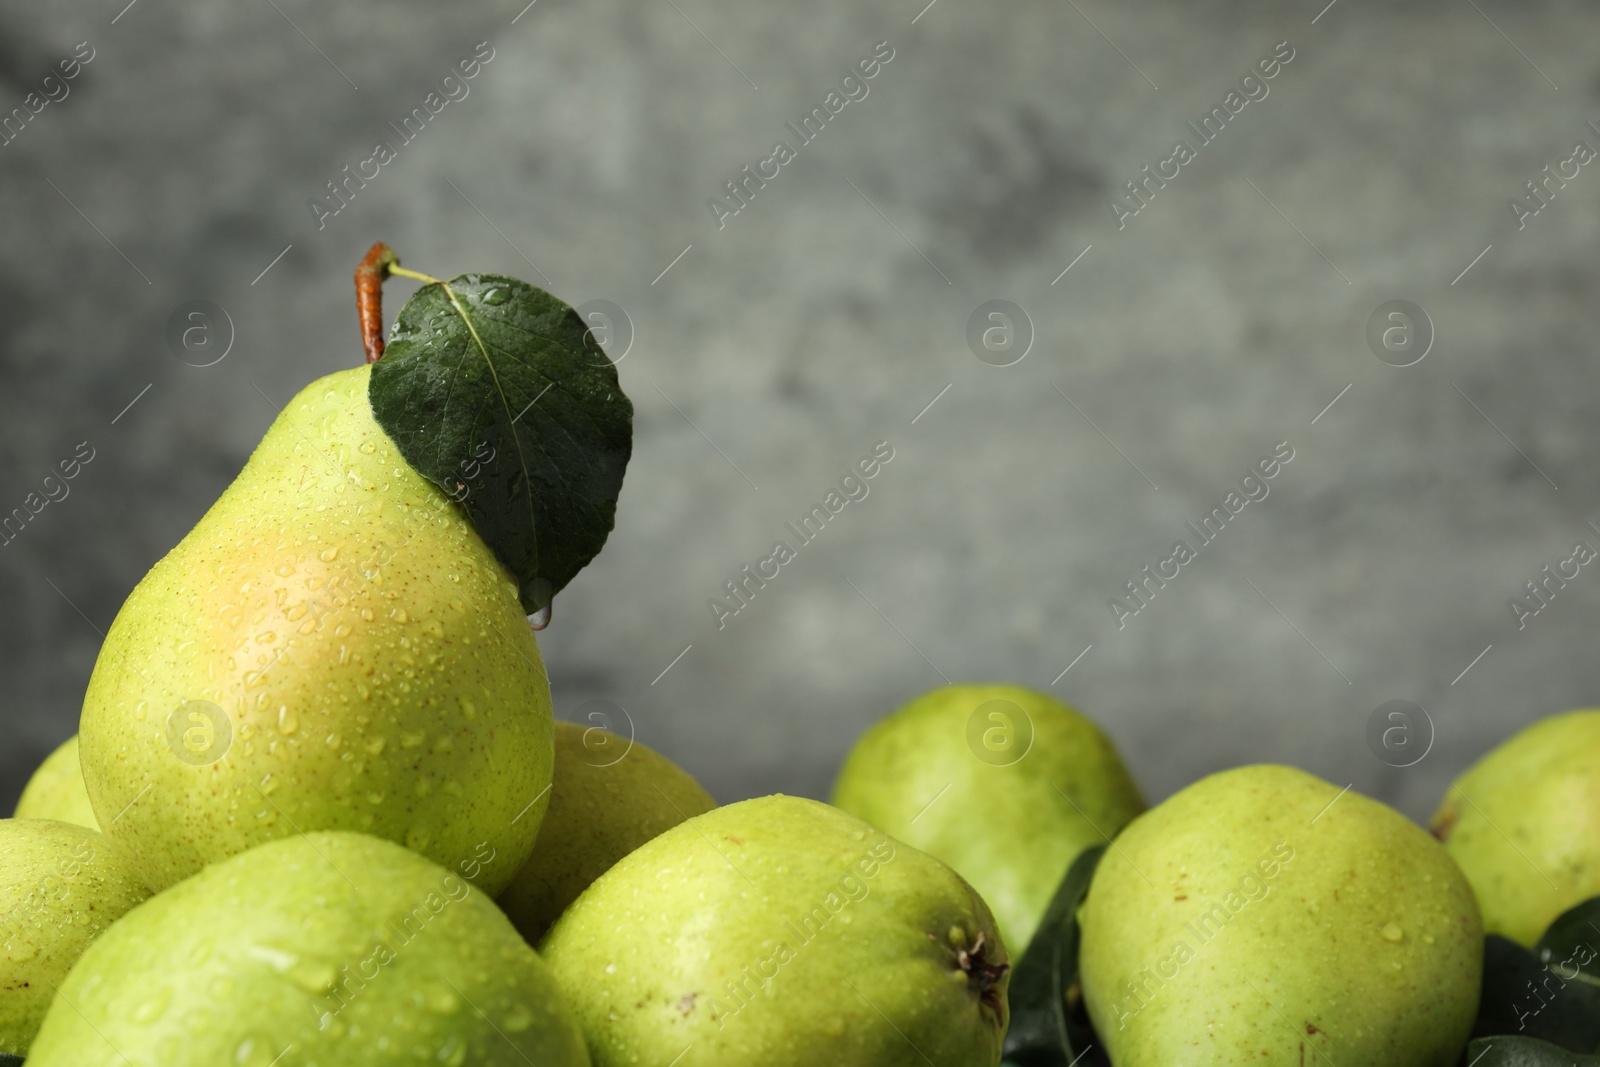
610 795
781 932
1524 824
1004 784
332 647
56 790
61 886
332 948
1264 916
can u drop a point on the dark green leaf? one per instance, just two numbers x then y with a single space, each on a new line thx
10 1061
1049 1027
1571 947
1526 998
493 391
1523 1052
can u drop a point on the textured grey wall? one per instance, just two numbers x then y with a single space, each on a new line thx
824 317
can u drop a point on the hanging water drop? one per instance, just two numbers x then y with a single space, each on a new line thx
541 594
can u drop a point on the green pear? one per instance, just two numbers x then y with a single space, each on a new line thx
61 886
610 795
786 933
1524 824
1004 784
332 647
328 949
1263 916
56 790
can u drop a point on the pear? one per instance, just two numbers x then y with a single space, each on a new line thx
781 932
328 949
1004 784
1524 824
61 886
1264 916
610 795
56 790
332 647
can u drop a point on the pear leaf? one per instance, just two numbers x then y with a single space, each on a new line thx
1571 947
1523 1052
7 1060
495 391
1524 996
1049 1026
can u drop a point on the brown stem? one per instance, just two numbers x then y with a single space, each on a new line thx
984 975
374 268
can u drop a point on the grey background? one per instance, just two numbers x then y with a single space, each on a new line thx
824 318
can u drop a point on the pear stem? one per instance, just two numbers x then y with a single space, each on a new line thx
417 274
983 975
379 262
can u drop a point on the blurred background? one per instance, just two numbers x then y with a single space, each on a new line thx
1143 363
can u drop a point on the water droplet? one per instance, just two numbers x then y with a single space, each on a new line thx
441 1000
408 739
368 447
376 745
287 722
444 746
328 555
399 615
375 797
453 1053
277 959
611 968
151 1009
314 977
253 1052
1392 932
519 1020
286 570
497 296
541 618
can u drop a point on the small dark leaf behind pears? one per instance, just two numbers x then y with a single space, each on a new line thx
1523 1052
1571 946
494 391
1049 1025
10 1061
1551 993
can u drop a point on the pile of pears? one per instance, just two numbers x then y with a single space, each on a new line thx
319 813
